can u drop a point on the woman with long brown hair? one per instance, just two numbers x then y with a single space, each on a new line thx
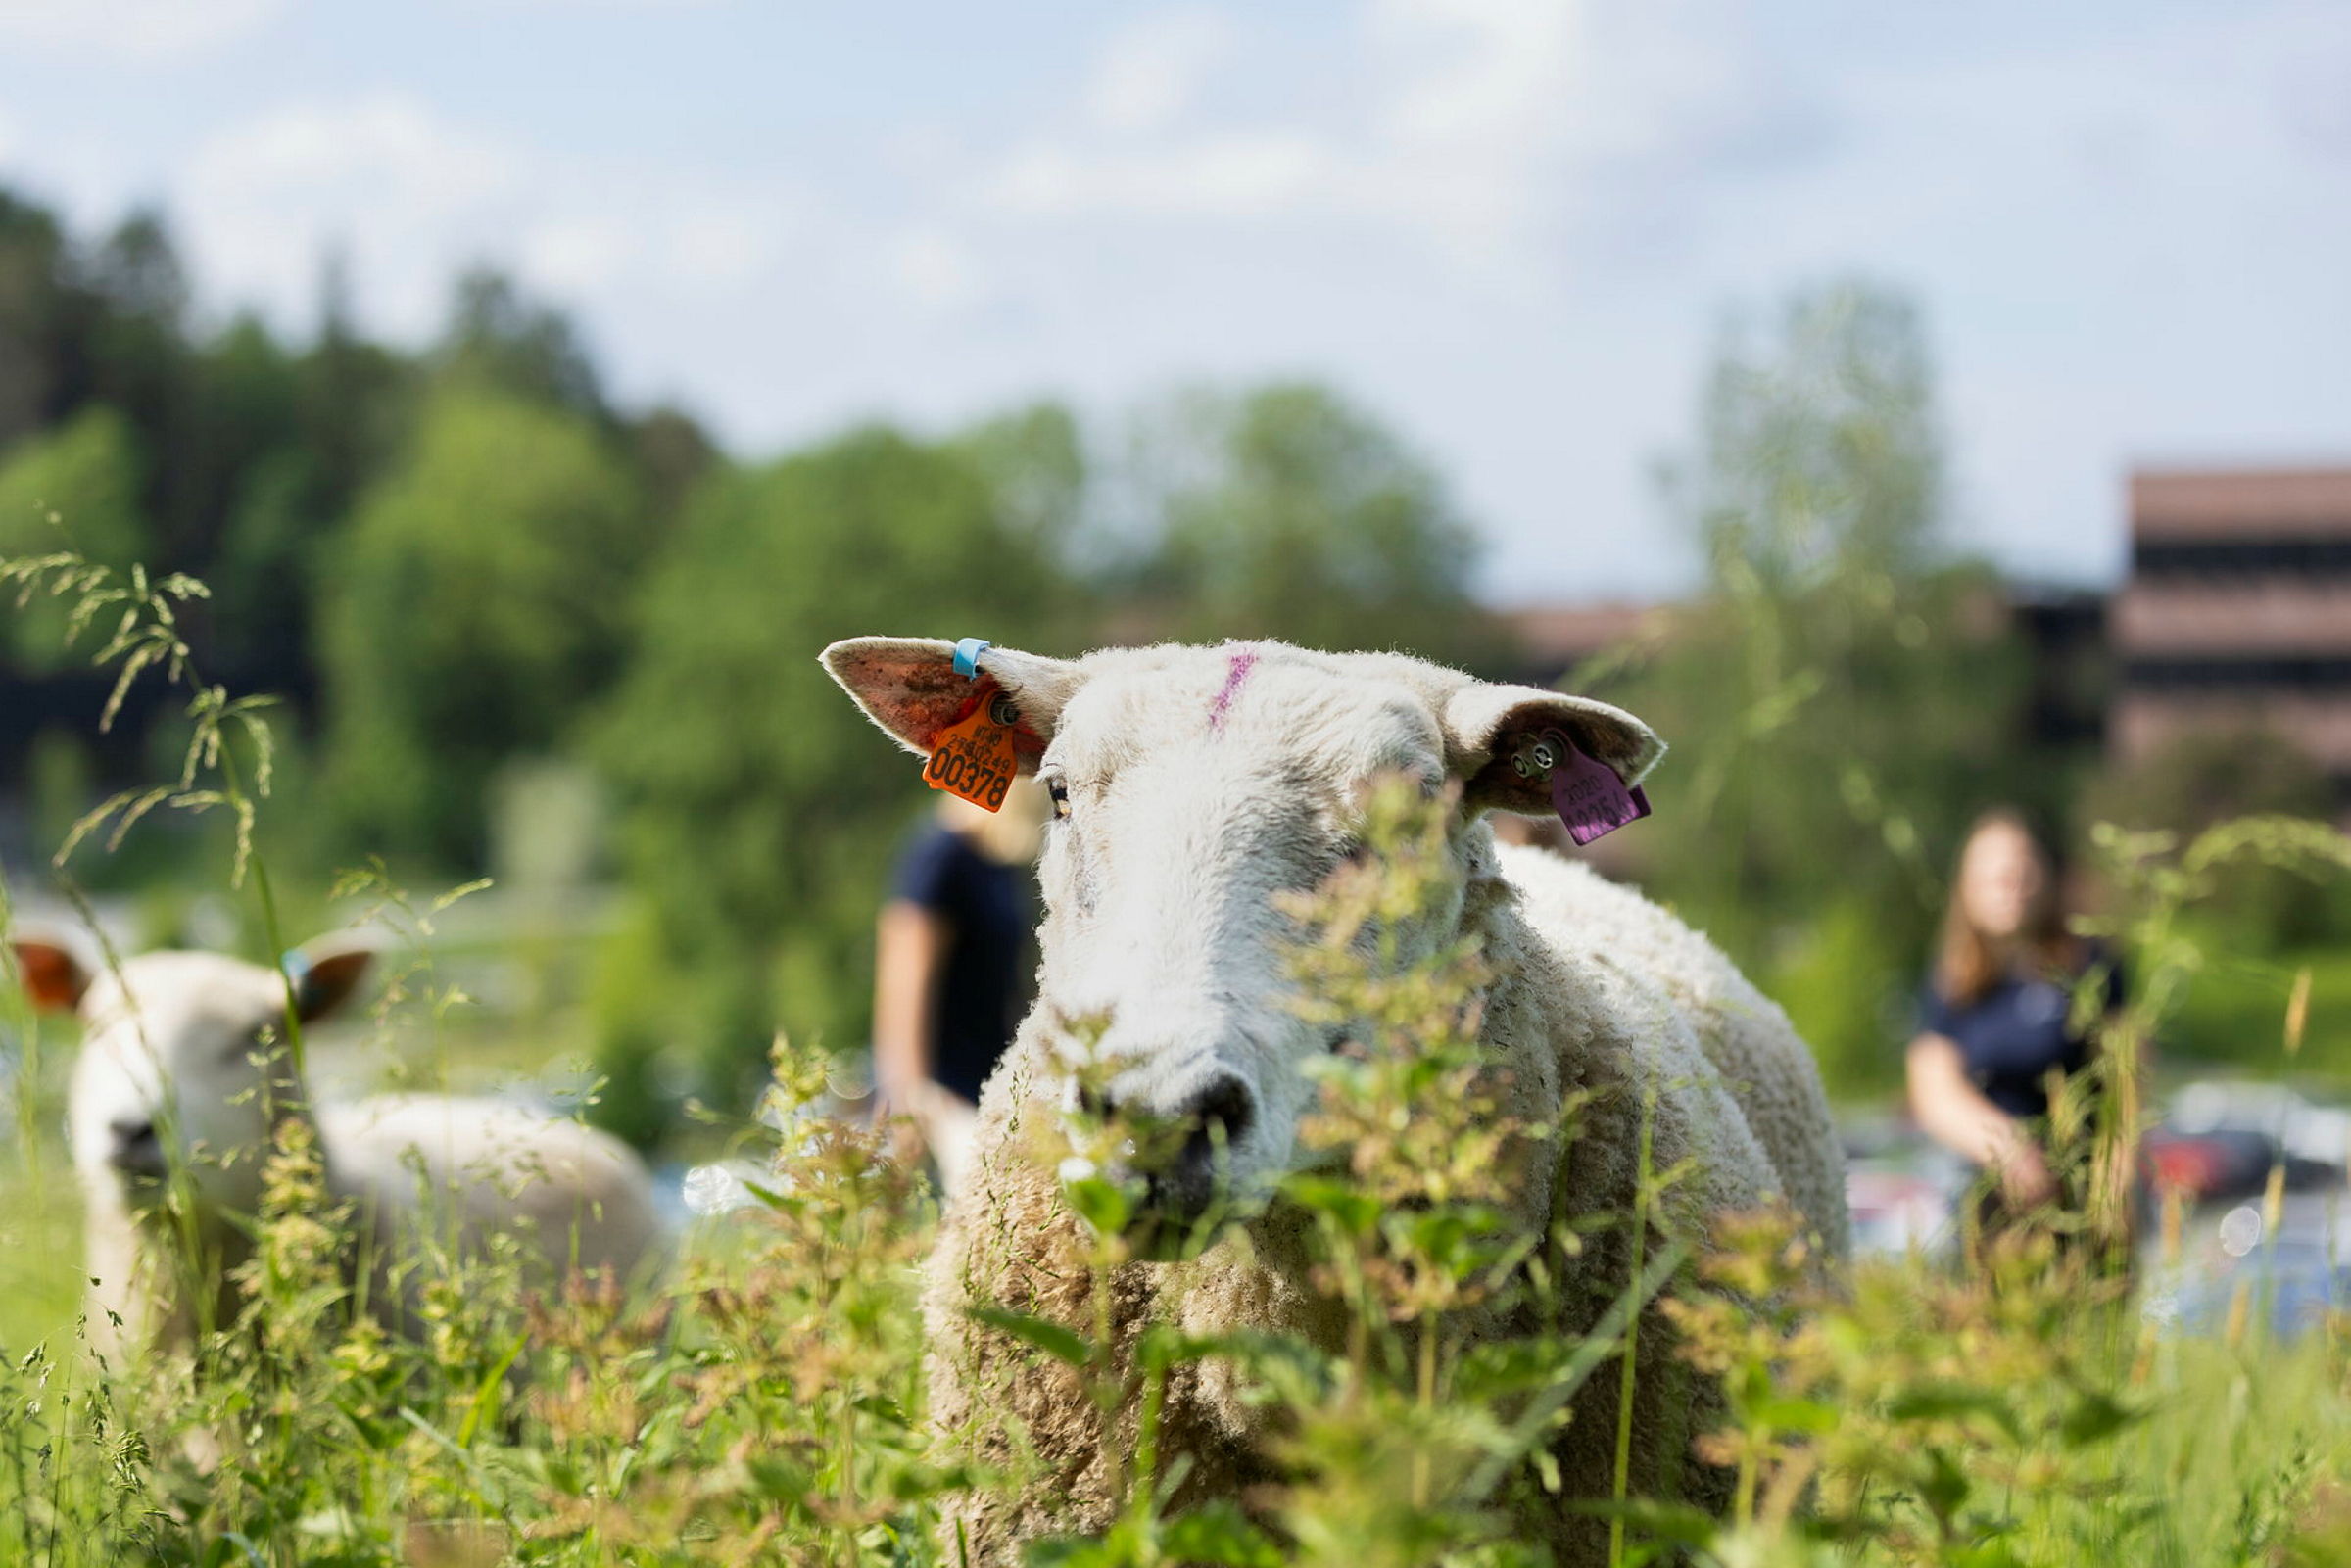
1999 1028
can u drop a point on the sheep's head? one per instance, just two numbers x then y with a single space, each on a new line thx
1191 786
183 1062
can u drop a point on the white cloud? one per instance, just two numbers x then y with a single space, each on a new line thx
407 193
149 27
387 150
1152 69
412 196
724 242
1476 132
1239 173
936 269
573 252
598 4
1481 72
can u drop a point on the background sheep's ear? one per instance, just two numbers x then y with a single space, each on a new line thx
910 688
1485 723
50 973
325 977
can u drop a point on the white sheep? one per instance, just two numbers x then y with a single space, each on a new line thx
184 1069
1191 786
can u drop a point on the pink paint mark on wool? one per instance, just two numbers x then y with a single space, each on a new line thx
1234 676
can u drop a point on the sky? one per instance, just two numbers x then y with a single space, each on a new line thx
1516 230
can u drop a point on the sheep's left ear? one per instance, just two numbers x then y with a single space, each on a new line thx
325 977
1487 725
915 688
52 978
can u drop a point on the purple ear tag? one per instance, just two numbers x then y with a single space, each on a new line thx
1588 795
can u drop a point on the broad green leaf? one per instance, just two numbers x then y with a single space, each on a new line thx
1949 1402
2095 1417
1063 1345
1101 1204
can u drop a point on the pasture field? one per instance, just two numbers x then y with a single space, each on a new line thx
761 1398
762 1401
761 1404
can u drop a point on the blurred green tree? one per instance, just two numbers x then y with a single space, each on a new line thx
673 455
478 602
1034 461
1285 511
39 312
1847 694
134 356
761 810
239 448
2203 778
296 441
499 336
74 488
358 399
264 575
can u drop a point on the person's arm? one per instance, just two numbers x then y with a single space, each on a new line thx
910 951
1954 1112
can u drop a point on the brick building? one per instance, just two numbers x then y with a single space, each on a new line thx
2238 610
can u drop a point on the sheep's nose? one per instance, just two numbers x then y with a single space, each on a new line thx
135 1150
1214 1120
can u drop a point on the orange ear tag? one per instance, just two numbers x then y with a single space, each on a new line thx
974 756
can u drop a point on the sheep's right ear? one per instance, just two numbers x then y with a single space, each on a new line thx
1486 724
325 977
912 687
52 977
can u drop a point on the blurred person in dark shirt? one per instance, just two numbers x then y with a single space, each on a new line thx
1998 1023
953 968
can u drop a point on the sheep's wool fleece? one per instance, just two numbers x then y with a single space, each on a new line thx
1598 991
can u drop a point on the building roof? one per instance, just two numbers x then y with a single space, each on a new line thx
1565 634
2241 503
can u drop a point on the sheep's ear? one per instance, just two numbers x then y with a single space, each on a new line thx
1486 725
49 972
326 975
912 687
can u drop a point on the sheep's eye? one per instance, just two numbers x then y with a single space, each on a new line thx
1058 790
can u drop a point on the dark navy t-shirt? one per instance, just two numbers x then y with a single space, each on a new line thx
986 906
2015 1033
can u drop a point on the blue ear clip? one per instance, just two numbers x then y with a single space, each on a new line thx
297 966
967 657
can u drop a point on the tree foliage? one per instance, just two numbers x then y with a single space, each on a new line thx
1847 695
39 315
761 807
477 605
499 336
1287 512
74 488
2199 779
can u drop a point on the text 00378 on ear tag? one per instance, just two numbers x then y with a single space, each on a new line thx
1591 800
974 758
